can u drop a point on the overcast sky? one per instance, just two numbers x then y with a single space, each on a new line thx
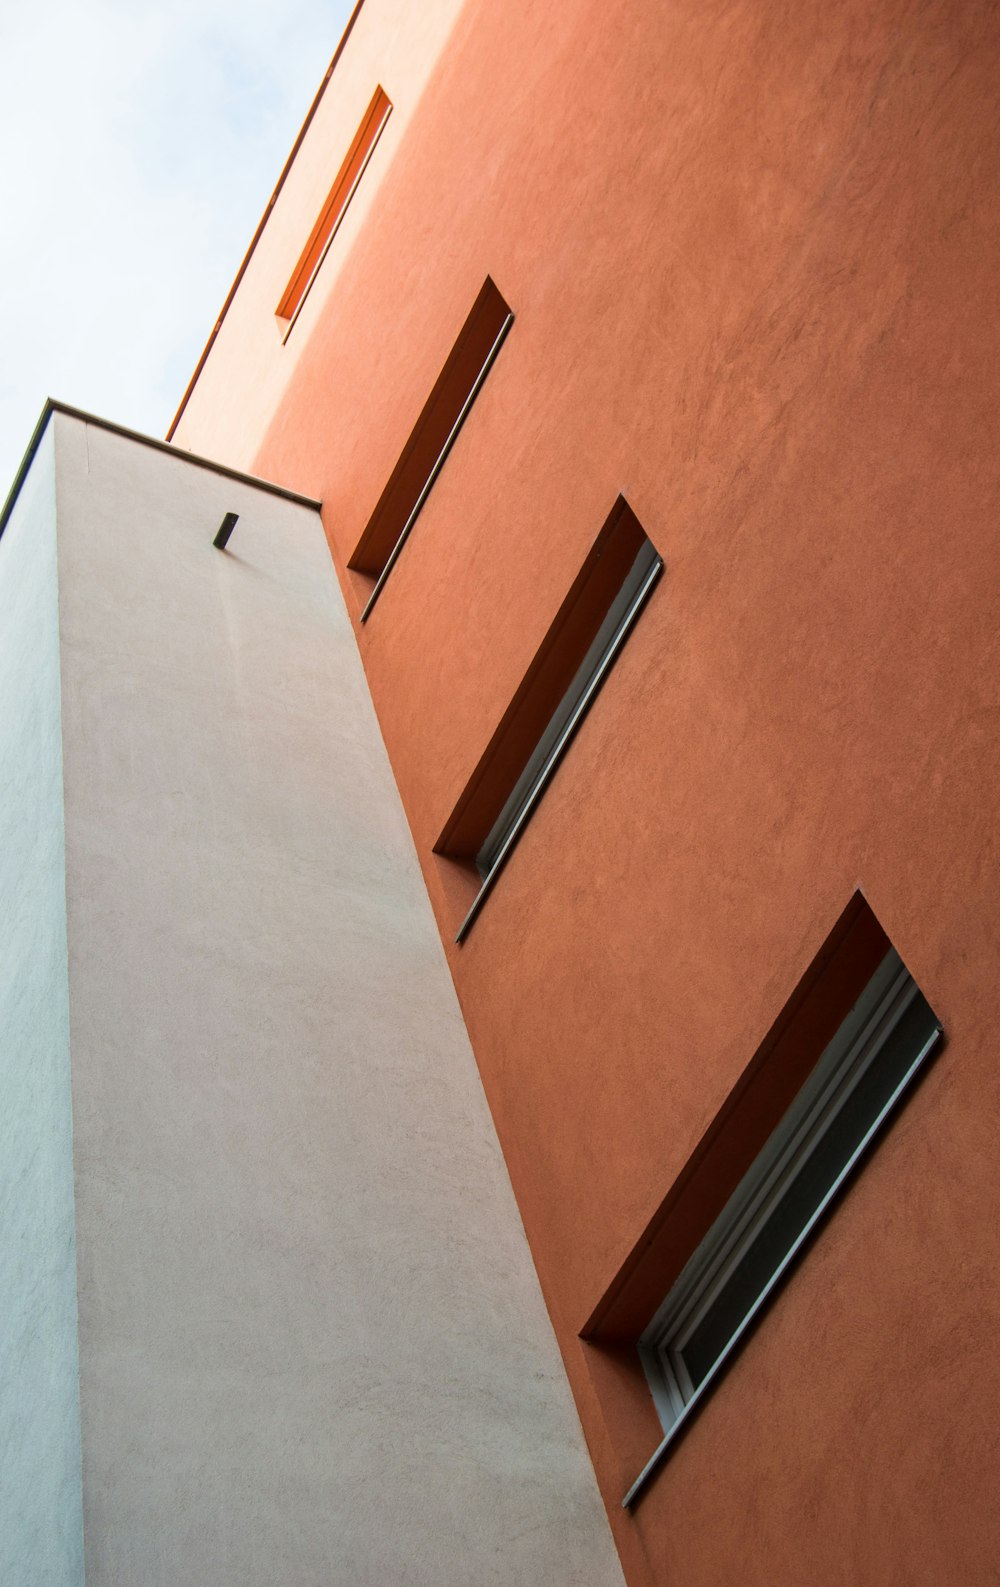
139 143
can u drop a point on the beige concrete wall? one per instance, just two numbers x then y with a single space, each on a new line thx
313 1348
41 1523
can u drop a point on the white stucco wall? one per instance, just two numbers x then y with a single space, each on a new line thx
313 1347
41 1534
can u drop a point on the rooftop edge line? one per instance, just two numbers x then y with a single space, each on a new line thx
241 272
53 406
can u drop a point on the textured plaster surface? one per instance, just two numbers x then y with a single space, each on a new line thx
752 251
313 1347
41 1523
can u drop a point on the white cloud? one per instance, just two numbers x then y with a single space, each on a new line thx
139 144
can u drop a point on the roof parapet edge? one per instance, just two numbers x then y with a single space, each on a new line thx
52 405
199 366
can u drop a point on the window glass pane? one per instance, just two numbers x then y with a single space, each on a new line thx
856 1078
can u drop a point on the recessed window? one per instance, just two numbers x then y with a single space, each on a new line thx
860 1076
431 439
541 763
332 213
571 664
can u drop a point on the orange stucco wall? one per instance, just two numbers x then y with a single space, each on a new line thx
751 248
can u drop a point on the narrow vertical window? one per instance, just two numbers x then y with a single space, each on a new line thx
572 662
865 1068
816 1098
333 210
431 439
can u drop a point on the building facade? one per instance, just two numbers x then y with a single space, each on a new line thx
269 1313
639 365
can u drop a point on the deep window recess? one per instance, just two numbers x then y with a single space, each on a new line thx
431 439
575 657
859 1078
332 213
541 763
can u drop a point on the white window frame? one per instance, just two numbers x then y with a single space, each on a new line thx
565 719
873 1034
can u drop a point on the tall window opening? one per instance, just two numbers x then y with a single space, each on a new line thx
344 186
812 1104
562 682
431 439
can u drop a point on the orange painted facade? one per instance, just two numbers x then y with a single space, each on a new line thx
751 254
